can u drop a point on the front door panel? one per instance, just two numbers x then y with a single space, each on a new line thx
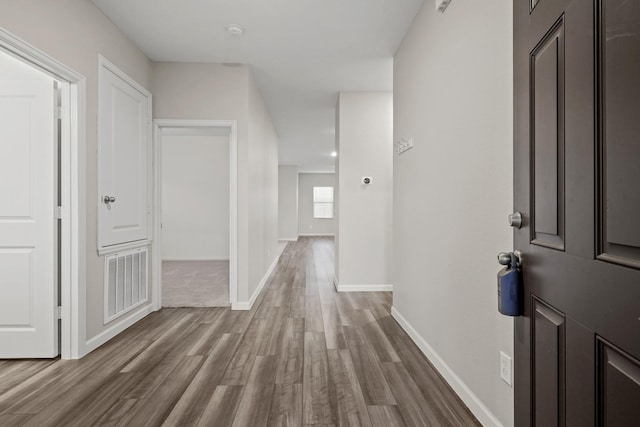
577 182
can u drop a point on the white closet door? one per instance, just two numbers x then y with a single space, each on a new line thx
28 287
124 122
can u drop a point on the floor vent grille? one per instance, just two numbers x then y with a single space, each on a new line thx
126 283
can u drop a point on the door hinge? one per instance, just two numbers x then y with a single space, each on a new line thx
59 312
58 212
59 112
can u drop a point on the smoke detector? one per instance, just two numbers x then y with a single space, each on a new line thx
235 30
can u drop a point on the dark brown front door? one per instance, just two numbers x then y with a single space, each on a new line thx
577 183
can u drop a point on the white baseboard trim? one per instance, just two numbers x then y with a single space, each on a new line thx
361 288
475 405
316 235
287 239
197 259
117 328
364 288
246 305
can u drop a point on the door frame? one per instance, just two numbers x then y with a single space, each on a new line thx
72 183
156 257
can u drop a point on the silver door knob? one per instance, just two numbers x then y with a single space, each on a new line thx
108 199
515 220
513 259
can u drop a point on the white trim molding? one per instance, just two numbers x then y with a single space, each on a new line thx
473 402
315 235
122 247
73 190
246 305
361 288
156 261
117 328
204 258
287 239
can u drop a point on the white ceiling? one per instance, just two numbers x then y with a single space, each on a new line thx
302 52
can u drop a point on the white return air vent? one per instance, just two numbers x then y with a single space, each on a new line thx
125 282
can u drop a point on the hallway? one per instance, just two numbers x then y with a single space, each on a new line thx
304 355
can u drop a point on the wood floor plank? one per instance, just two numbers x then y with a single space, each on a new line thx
271 341
117 413
286 406
207 340
333 332
348 315
14 420
379 343
173 355
318 408
297 306
84 406
193 401
313 314
414 408
12 374
374 386
61 387
255 404
157 407
386 416
222 407
238 370
291 357
351 409
154 353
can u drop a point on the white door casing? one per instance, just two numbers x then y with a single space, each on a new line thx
28 278
124 139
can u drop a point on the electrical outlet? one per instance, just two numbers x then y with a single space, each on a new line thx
505 368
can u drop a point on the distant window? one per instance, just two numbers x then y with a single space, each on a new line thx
323 202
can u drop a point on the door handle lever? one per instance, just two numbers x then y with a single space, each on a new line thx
512 259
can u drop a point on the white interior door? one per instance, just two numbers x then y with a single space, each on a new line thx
28 276
124 121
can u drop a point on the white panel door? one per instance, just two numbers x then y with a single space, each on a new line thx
123 155
28 277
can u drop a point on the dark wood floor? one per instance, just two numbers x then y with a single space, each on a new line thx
304 355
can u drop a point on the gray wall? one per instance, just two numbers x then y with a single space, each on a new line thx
307 224
453 192
365 147
195 197
287 202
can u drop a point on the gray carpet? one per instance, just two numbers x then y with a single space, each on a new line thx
195 283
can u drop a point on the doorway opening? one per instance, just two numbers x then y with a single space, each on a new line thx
195 236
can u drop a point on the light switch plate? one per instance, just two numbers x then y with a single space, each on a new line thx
403 145
505 368
441 5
